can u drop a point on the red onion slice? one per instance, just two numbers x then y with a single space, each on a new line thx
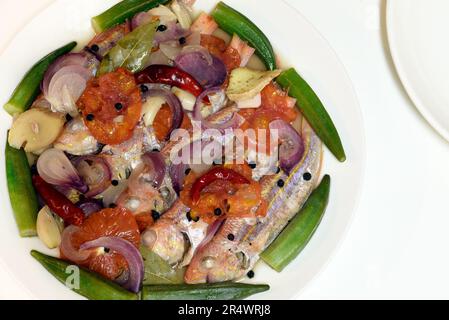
129 252
188 49
171 49
291 148
177 174
55 168
67 248
157 164
140 19
234 121
174 31
90 206
158 57
208 72
64 61
95 172
172 101
67 85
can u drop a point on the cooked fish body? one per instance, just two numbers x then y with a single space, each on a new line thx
174 237
236 247
76 139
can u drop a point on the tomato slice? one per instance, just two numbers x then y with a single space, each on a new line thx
213 44
163 120
277 100
217 47
232 200
108 223
276 104
111 106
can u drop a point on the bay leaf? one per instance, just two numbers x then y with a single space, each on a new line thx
132 51
158 271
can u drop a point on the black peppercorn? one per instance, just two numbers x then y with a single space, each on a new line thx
143 88
156 215
94 48
307 176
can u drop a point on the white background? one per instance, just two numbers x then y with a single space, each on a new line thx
396 246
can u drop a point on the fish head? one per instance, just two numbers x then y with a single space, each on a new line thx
210 266
167 241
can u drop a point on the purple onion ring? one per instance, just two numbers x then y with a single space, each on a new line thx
129 252
156 90
291 148
234 122
158 166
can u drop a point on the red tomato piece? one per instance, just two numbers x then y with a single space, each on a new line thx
111 106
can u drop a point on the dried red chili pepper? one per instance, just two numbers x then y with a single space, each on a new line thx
171 76
58 203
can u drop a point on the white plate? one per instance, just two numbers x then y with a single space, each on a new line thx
293 37
417 34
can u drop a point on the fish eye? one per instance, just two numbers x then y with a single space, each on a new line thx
208 262
149 238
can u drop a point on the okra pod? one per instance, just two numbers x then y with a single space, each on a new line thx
29 87
300 230
209 291
21 192
313 110
233 22
121 12
86 283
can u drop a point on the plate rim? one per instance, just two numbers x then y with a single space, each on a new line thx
405 81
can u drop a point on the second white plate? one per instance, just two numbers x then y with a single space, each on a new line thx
417 34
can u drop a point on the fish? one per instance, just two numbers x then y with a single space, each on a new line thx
106 40
236 247
126 156
76 139
175 237
141 196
